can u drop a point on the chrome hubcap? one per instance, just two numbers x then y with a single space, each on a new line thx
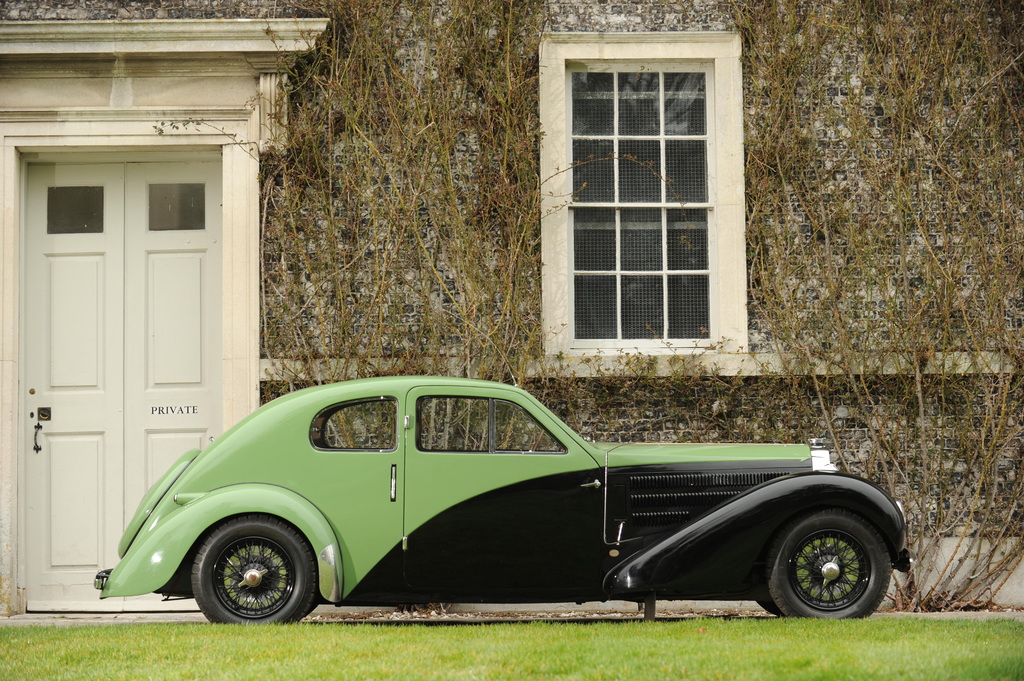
830 571
252 578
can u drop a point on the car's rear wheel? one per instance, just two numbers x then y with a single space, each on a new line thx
828 564
254 569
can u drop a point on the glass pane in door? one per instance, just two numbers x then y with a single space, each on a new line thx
179 206
74 210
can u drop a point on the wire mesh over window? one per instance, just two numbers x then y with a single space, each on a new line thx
640 206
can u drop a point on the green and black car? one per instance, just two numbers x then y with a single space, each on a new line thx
420 490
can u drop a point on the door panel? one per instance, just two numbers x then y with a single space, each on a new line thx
172 302
121 339
175 304
76 519
502 517
72 329
357 453
76 320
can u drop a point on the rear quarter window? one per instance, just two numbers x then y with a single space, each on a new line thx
363 425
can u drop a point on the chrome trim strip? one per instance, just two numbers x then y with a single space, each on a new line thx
327 562
604 508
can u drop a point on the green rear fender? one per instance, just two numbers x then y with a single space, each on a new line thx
174 529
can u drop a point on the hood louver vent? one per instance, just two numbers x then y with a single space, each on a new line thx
703 480
659 500
660 519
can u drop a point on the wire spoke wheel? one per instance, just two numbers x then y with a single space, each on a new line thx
829 563
253 569
829 570
254 577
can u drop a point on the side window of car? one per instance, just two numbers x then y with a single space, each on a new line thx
515 430
363 425
453 424
476 424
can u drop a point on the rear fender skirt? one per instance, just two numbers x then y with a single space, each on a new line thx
715 555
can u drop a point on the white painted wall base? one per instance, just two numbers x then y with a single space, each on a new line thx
1010 594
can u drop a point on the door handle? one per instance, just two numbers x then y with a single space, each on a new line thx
394 482
593 485
42 414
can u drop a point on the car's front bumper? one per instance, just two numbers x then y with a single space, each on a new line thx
903 562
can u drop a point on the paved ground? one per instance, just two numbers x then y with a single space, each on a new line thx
339 616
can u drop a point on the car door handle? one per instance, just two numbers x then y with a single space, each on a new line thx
595 485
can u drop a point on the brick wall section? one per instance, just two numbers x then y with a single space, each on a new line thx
596 15
109 10
649 15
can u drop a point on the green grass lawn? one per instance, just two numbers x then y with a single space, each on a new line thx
711 648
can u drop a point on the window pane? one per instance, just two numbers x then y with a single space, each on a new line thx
594 238
593 175
453 424
177 207
684 104
74 210
641 239
592 105
596 306
640 171
686 170
517 431
361 425
638 104
688 306
688 239
642 311
623 255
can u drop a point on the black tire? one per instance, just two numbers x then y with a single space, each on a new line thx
830 564
312 606
252 570
770 608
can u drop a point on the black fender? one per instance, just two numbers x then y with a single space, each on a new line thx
717 554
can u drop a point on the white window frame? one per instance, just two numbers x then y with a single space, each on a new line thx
718 55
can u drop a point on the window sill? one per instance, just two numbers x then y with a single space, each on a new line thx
610 362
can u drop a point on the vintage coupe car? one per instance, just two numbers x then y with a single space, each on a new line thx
420 490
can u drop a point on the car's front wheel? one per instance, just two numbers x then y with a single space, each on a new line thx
254 569
828 564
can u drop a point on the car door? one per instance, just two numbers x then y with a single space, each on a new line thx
496 505
356 456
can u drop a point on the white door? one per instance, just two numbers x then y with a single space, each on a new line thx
121 353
